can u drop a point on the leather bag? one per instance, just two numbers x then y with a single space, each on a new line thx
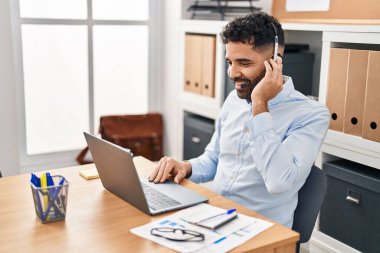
142 134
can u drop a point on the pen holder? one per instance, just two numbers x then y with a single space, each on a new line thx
50 202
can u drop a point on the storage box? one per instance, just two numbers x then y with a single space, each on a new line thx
350 211
299 66
197 134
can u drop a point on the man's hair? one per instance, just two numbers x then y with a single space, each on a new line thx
255 29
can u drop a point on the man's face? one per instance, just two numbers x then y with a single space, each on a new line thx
246 66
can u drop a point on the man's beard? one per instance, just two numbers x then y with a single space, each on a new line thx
247 86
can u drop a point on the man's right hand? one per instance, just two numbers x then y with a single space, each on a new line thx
170 167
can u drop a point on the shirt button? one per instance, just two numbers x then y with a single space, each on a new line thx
246 130
238 153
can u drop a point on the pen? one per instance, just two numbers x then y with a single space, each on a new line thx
53 199
217 215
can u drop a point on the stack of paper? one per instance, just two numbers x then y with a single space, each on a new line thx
222 239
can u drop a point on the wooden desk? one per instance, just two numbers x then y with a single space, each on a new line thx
98 221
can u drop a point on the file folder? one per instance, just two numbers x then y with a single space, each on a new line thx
200 64
208 65
193 53
355 93
371 124
336 91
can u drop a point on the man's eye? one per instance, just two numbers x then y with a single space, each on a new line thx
229 63
244 63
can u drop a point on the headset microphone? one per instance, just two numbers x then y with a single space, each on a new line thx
244 85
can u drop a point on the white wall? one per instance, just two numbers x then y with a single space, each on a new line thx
170 76
9 160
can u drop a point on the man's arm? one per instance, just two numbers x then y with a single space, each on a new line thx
284 163
200 169
204 166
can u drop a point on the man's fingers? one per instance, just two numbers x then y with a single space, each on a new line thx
155 171
160 171
168 168
274 69
180 175
268 69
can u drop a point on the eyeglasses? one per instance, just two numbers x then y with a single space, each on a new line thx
178 234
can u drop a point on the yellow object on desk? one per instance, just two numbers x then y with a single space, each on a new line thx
44 191
88 174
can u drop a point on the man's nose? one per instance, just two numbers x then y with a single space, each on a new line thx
233 72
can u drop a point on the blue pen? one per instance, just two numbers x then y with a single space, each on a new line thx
220 214
36 182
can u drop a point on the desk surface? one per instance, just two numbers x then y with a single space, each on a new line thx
98 221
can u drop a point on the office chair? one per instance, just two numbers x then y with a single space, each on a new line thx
0 174
310 198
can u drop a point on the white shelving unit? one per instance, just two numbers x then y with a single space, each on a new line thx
205 106
321 38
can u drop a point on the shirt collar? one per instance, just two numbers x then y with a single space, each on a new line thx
287 88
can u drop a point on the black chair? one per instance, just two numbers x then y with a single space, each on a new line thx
0 174
310 198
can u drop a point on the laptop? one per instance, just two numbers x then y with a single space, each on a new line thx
118 175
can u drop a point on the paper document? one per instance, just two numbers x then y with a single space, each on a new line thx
232 232
237 238
307 5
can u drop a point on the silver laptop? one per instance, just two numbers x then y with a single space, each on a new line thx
118 175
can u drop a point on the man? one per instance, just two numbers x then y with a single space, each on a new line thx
267 135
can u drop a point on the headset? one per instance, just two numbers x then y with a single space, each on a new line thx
275 53
275 43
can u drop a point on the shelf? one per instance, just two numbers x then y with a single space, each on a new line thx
198 104
352 148
291 26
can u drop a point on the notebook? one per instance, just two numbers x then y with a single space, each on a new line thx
118 175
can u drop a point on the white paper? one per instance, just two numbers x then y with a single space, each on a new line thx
237 238
307 5
231 232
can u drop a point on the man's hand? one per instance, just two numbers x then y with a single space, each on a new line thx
268 87
169 166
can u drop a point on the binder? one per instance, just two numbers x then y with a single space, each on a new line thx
200 64
208 65
371 124
336 91
193 53
355 93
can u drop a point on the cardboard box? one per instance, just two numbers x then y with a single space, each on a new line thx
340 11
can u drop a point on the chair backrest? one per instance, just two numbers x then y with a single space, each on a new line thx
0 174
310 198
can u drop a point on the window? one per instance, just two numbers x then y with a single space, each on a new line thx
78 60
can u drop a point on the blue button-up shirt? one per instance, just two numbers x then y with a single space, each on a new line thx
262 161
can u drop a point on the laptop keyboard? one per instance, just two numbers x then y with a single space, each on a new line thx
157 200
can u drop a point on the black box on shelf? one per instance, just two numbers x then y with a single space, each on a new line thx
197 134
350 211
299 66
